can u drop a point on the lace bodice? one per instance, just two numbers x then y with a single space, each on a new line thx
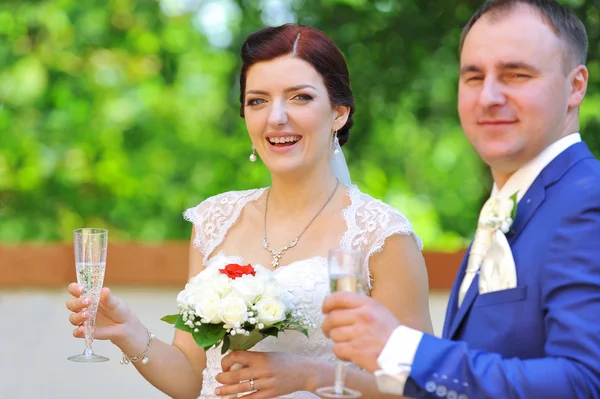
369 222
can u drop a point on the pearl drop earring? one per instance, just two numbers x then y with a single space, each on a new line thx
253 155
336 144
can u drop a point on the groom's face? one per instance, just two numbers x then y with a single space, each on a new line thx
513 88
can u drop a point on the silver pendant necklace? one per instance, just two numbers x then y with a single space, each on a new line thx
278 253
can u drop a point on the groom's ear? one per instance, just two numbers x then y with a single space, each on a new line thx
343 112
578 82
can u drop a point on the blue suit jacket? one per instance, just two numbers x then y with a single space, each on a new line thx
542 338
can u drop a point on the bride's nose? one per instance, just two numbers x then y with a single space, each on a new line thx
278 115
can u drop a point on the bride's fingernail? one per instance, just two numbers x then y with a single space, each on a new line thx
86 315
218 391
85 301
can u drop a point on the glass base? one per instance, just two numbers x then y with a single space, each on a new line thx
88 356
331 392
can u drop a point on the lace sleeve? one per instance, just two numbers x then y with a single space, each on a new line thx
370 223
213 217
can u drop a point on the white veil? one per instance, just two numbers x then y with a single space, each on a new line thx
339 166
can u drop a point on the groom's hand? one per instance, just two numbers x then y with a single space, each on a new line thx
359 327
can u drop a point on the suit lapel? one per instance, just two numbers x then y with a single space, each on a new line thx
527 206
464 308
536 193
452 307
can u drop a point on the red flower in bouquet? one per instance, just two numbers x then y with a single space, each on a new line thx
234 271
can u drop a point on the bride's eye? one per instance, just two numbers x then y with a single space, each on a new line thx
254 101
302 97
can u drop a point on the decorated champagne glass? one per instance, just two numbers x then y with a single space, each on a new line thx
90 262
346 273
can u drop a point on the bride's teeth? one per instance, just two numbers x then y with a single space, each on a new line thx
281 140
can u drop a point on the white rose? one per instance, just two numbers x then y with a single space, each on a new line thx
207 305
271 290
263 273
249 288
270 311
182 297
194 287
222 284
205 275
233 311
209 278
198 282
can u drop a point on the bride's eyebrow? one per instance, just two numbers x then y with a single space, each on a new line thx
288 90
300 87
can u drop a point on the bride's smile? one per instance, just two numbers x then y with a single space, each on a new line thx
283 142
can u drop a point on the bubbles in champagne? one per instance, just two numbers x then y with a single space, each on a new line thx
344 282
91 277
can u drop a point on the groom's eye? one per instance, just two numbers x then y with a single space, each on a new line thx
472 79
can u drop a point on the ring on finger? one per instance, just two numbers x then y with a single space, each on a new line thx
252 384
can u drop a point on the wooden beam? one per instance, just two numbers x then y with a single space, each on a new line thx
51 265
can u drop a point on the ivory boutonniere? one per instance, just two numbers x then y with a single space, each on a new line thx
499 212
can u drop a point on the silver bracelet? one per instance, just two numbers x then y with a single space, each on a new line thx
143 356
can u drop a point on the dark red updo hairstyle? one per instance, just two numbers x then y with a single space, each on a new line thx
310 45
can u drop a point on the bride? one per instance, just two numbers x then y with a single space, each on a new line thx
297 104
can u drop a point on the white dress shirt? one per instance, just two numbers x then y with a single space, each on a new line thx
397 357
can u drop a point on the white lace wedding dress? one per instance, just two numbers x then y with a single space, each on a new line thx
369 222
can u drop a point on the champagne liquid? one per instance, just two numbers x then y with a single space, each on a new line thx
91 277
345 283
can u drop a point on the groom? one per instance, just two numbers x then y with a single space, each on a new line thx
523 319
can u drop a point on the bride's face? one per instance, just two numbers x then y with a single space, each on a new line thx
289 115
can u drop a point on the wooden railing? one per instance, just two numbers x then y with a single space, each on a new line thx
45 265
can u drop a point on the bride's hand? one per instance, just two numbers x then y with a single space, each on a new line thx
114 319
274 374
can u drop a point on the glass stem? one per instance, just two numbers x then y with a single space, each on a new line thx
340 375
89 326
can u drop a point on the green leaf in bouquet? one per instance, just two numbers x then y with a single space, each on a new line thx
295 326
279 325
226 343
209 335
271 331
242 342
171 319
180 325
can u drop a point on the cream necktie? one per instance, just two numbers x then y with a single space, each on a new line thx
481 243
490 251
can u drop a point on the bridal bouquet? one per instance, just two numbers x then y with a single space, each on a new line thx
237 306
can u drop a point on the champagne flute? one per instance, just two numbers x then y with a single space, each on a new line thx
346 273
90 261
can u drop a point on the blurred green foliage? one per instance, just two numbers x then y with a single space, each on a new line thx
121 114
